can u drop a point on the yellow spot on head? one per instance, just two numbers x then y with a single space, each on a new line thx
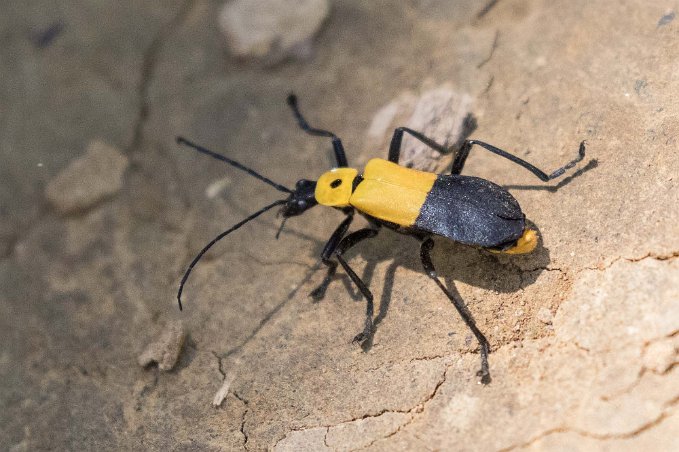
334 187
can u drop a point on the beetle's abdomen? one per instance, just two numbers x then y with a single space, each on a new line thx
471 210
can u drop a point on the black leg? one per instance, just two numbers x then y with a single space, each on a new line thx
425 251
336 142
461 158
319 292
397 138
352 239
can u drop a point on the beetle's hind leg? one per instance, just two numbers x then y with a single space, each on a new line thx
425 255
461 158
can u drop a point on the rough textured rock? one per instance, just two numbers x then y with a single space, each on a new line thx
83 294
271 30
88 180
165 351
440 113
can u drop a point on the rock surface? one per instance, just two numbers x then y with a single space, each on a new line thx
165 351
271 30
88 180
583 331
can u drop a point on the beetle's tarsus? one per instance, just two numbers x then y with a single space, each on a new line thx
359 338
318 293
364 338
485 377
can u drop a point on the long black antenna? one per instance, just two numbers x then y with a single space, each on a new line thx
251 172
217 239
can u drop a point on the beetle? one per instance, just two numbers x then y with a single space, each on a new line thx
465 209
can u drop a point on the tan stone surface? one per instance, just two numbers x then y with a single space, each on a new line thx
166 350
88 180
583 331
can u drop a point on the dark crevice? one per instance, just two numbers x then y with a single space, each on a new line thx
242 422
486 9
219 363
492 51
417 409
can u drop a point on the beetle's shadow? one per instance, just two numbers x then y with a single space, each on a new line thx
453 262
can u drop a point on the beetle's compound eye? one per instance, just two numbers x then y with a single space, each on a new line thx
336 183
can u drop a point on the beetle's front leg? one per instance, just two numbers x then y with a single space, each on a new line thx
328 250
346 243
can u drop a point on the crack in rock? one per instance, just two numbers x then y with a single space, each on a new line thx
246 403
649 255
631 434
649 364
357 423
148 67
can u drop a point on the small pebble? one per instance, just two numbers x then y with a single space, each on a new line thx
88 180
217 187
660 355
165 351
272 30
545 316
223 391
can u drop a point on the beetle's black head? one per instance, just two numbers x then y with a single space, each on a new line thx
301 199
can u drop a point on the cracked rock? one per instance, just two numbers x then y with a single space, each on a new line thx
307 439
272 30
88 180
350 435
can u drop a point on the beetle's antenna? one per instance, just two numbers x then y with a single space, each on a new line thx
281 228
240 166
217 239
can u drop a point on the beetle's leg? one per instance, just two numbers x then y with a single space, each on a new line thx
461 158
397 138
319 292
346 243
425 255
336 142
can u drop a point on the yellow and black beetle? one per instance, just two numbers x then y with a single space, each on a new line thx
465 209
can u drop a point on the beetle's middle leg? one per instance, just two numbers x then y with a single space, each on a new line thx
346 243
425 255
397 138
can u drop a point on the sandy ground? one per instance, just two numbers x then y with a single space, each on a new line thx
584 332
